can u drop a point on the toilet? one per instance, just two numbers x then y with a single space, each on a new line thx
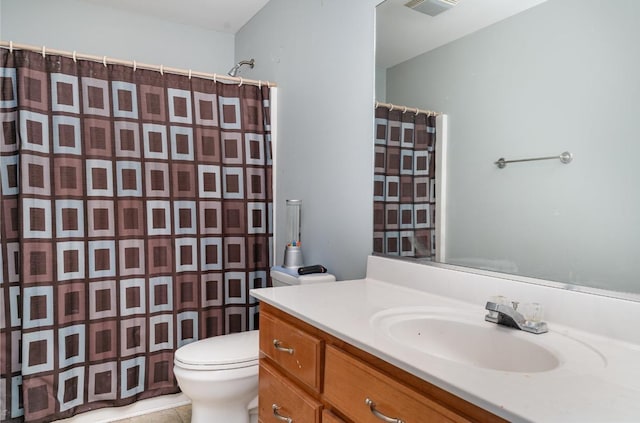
220 374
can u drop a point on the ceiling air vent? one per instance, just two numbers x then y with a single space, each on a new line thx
431 7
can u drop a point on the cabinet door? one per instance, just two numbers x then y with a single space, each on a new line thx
349 383
280 399
295 350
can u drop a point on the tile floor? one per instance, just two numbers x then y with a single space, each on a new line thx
171 415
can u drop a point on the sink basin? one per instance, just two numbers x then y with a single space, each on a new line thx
465 338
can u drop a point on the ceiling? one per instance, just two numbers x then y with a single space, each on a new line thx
217 15
401 33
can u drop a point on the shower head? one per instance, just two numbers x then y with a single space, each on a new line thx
234 70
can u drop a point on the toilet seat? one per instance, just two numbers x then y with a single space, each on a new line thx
233 351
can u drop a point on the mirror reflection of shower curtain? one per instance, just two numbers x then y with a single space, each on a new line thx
404 183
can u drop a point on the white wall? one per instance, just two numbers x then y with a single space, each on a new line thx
93 29
321 54
534 85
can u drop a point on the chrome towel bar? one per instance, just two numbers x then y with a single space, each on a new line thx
565 158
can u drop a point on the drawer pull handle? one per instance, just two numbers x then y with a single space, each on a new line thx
372 407
278 345
279 416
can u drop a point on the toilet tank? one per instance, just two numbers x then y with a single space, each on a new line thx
282 276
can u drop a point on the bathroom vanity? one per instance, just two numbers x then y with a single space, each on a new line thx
409 342
310 376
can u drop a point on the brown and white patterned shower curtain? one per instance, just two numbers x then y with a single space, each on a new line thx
135 217
404 183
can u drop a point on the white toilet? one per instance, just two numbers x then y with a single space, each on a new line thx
220 374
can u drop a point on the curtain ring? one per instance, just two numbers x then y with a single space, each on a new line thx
189 73
10 46
215 78
241 81
104 61
44 49
259 84
75 59
391 108
162 70
135 65
405 110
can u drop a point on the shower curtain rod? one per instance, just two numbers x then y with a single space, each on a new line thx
136 65
405 109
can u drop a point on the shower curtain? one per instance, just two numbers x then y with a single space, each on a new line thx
135 216
404 183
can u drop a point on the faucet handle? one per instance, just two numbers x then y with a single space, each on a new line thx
499 299
492 316
533 312
515 304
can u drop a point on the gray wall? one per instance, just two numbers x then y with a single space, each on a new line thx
381 84
321 54
93 29
536 85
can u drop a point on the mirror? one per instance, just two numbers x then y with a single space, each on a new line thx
562 75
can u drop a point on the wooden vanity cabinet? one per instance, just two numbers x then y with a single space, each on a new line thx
281 396
291 348
329 417
313 377
386 396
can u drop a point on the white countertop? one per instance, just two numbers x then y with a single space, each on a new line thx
604 387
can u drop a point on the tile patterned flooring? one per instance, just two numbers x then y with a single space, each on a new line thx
171 415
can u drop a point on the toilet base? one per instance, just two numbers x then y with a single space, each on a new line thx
201 413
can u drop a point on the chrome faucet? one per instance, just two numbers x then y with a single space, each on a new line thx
506 315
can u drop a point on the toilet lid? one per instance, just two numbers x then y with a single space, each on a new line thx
227 351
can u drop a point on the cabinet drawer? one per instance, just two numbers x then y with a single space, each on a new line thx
329 417
348 382
276 390
293 349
